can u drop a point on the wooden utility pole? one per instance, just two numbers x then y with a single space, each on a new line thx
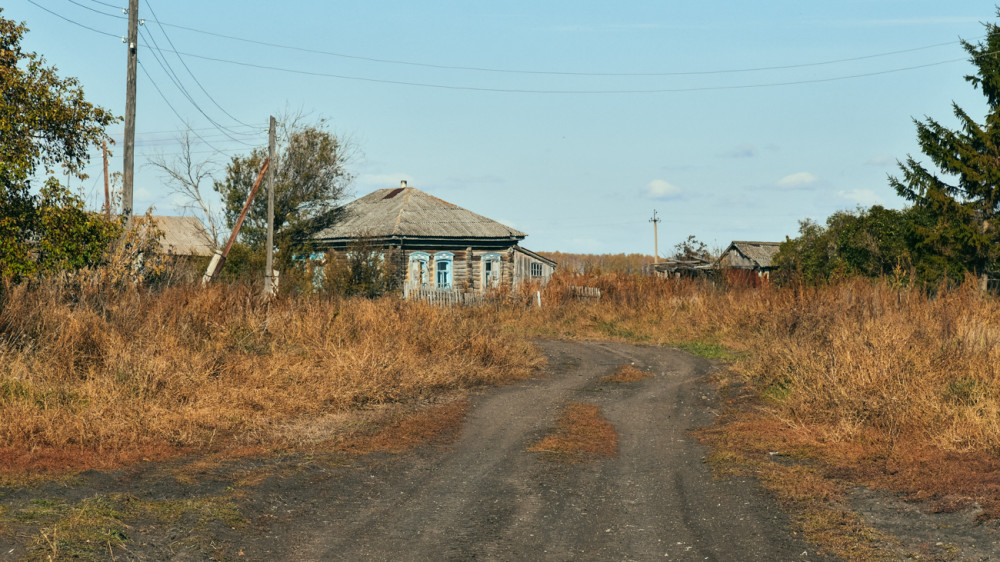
129 148
269 271
656 239
107 192
219 259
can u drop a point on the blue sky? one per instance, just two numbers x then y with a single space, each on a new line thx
571 121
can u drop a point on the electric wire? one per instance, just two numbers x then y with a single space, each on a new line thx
166 101
539 91
543 72
584 92
167 68
74 22
158 56
186 67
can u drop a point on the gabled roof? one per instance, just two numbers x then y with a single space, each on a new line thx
183 236
761 253
409 212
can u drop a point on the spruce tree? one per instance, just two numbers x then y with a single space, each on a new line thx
961 195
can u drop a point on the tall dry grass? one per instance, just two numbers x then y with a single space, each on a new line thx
855 362
89 377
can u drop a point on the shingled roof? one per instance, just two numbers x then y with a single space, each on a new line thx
410 213
761 253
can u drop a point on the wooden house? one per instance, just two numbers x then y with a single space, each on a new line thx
439 245
748 263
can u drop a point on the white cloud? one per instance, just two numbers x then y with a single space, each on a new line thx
797 180
863 197
660 189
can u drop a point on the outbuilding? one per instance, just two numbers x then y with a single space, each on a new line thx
748 263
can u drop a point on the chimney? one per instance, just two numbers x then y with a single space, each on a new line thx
402 183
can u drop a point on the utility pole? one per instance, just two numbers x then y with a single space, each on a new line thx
129 149
269 272
107 193
656 239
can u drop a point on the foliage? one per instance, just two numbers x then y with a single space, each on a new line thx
962 199
44 121
310 179
867 242
51 232
365 269
692 248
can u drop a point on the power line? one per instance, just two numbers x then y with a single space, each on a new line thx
64 18
538 72
553 72
165 100
193 77
526 90
533 91
165 65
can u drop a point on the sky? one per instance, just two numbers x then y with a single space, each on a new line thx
573 121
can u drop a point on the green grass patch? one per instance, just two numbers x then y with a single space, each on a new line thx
97 527
707 350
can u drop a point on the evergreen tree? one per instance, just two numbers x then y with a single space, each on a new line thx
961 197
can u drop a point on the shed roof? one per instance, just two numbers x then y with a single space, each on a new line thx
409 212
183 236
761 253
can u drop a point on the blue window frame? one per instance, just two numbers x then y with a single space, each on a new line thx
418 267
443 262
491 269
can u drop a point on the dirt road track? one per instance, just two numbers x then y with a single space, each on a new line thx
488 498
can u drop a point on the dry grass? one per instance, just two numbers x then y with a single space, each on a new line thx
436 424
627 373
905 382
90 379
581 434
868 382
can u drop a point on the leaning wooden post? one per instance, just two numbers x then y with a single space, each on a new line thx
220 256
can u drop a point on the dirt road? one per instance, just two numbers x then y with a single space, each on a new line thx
484 496
488 498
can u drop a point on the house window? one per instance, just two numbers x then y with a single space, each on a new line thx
491 270
536 269
418 268
443 269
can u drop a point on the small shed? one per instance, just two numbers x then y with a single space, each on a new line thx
440 245
184 236
748 263
690 268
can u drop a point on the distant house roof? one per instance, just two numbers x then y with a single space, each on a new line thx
749 255
407 212
183 236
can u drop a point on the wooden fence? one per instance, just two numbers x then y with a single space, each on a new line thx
585 292
444 297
